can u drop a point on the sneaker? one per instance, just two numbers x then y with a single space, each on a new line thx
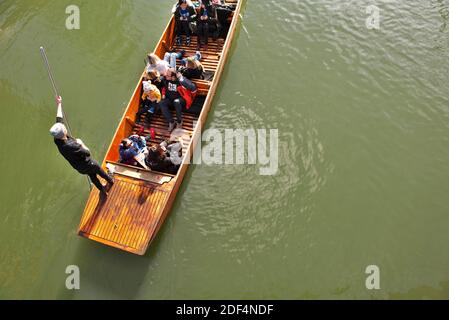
199 55
188 41
178 41
179 125
171 126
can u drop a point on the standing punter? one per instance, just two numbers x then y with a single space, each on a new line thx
77 154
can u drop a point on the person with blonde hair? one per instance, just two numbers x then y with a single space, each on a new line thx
161 66
155 77
156 63
193 68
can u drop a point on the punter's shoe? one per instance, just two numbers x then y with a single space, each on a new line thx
178 41
179 125
199 55
188 41
108 187
171 126
103 194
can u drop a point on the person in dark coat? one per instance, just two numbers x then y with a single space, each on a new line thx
77 154
184 15
176 93
204 22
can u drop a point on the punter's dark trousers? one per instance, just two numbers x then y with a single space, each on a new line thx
94 170
183 28
203 32
179 104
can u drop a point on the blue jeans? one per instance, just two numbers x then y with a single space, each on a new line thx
197 57
148 107
171 57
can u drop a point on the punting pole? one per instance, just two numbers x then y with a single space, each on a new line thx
55 91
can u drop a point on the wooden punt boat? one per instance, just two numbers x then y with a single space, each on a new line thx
140 200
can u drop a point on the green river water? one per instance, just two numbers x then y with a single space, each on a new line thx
363 120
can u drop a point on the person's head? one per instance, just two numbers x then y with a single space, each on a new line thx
154 153
59 131
147 86
192 63
126 143
153 74
170 74
153 59
183 4
205 3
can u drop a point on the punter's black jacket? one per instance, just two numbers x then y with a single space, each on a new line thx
74 153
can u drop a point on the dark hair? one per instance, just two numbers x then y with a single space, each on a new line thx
125 143
154 154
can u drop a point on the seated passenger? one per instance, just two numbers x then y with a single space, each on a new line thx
176 5
150 100
166 157
184 15
155 78
156 64
178 92
193 69
130 148
206 20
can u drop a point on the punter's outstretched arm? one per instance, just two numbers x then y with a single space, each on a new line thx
59 113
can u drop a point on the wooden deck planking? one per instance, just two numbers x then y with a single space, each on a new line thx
127 217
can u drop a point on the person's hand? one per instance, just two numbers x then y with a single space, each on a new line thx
178 75
58 100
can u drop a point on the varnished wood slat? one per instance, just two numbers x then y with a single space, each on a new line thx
123 218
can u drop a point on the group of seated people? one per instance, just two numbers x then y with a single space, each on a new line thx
165 157
204 20
167 86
